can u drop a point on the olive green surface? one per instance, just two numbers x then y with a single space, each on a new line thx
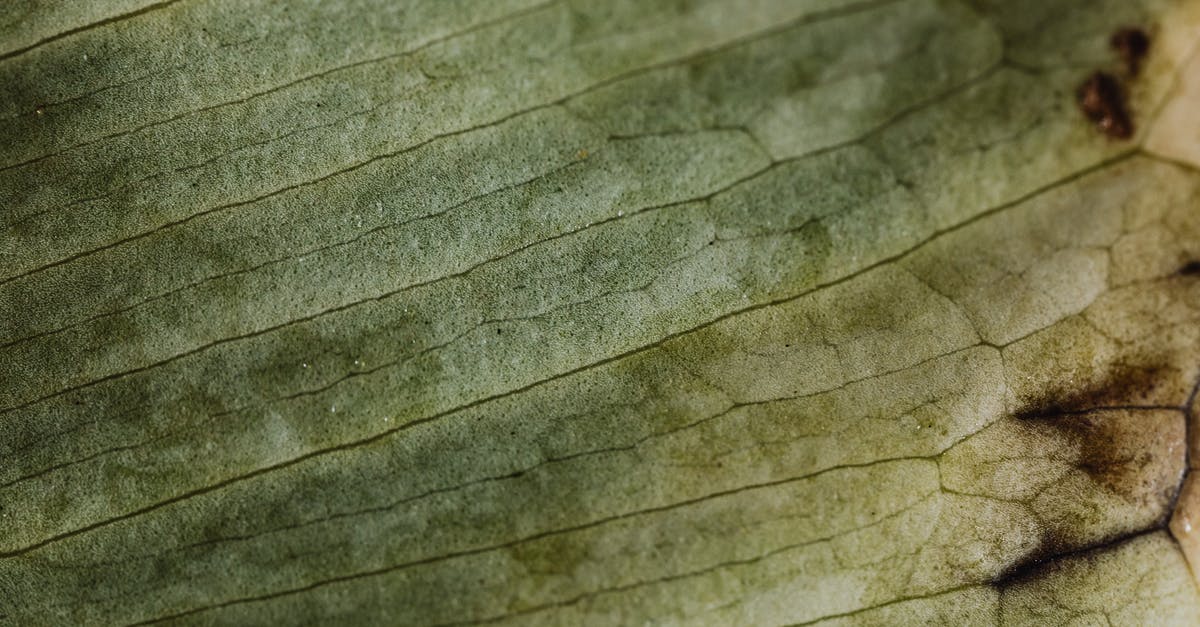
601 312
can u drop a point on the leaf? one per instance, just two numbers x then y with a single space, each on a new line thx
596 312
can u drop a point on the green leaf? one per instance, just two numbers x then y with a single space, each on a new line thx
705 311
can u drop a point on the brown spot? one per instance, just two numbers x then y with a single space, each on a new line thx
1131 44
1051 556
1133 454
1117 450
1191 268
1103 102
40 110
1119 428
1122 385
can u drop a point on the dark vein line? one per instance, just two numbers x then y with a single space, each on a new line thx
545 462
552 460
163 173
822 151
1171 161
514 474
277 192
322 74
131 81
1190 405
890 603
574 371
695 572
330 310
75 462
1058 413
734 43
1022 572
536 536
313 251
79 29
885 261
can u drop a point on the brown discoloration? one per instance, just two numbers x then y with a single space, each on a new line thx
1134 455
1116 450
1102 97
1050 557
1123 385
1131 44
1126 443
1107 422
1102 100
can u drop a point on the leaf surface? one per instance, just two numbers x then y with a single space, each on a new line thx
766 312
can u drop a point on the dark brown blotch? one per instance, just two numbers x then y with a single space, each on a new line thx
1191 268
1131 44
1114 451
1115 446
1050 557
1116 441
1102 100
1122 385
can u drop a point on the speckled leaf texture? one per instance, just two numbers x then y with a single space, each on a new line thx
597 312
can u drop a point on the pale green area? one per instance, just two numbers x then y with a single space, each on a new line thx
704 312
